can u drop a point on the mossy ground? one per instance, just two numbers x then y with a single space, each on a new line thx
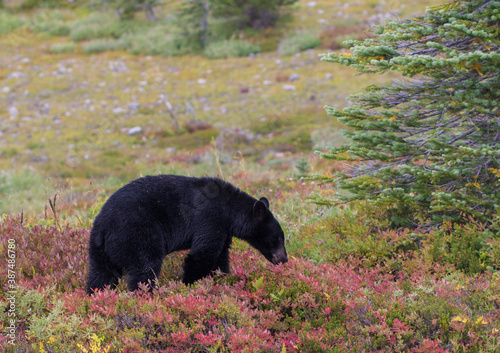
73 110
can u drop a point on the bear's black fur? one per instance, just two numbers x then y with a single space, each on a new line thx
153 216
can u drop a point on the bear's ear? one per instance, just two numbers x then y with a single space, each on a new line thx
260 211
266 201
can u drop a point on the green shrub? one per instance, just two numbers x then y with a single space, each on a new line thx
102 45
298 42
9 22
61 48
118 28
59 30
157 41
98 25
470 247
230 48
81 33
50 22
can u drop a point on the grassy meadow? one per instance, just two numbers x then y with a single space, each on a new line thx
89 102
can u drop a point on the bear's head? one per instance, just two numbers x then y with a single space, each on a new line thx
267 235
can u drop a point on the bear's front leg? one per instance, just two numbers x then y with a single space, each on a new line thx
197 266
222 262
209 252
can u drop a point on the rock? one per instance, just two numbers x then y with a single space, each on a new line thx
62 69
119 110
202 81
311 4
170 149
13 111
117 66
267 82
40 159
6 89
289 88
328 76
293 77
134 105
46 108
134 130
16 74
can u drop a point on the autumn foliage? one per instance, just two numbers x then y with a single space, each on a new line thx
409 303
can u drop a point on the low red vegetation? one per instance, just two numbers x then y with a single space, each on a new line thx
259 307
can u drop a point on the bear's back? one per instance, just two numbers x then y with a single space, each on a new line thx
162 198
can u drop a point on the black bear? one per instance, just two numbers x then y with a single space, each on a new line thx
155 215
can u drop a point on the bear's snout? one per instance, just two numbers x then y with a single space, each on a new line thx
279 257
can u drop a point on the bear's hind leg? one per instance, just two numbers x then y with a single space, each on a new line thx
100 277
146 274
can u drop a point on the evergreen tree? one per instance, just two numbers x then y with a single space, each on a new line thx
127 9
193 19
250 13
426 148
